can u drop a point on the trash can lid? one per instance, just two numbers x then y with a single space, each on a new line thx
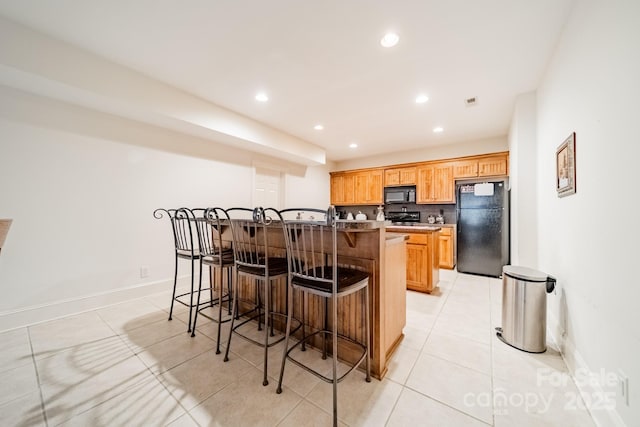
525 273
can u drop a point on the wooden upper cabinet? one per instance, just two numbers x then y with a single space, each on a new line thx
465 169
375 188
368 187
357 188
337 189
494 165
435 183
400 176
342 191
349 189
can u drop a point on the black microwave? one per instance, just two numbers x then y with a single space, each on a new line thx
400 194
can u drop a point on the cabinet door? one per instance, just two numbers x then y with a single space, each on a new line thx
400 176
424 186
375 188
446 251
348 186
368 187
492 166
407 176
465 169
337 190
436 184
391 177
417 267
443 184
361 187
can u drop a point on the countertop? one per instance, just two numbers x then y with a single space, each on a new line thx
355 225
414 228
395 237
369 224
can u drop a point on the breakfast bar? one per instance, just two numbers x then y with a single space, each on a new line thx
363 245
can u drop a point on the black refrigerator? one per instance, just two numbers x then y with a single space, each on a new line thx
482 227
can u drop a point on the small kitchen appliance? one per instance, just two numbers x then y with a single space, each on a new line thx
400 194
404 217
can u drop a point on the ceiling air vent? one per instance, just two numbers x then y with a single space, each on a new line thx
469 102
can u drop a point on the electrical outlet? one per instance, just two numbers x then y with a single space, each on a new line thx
623 388
144 271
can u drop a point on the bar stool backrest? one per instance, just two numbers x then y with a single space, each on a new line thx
312 247
249 228
211 224
184 231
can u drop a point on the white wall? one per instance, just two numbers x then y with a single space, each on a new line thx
523 181
589 240
81 188
436 152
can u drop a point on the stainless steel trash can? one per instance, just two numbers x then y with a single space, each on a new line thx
524 308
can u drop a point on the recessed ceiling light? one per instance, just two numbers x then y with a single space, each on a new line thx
421 99
389 40
262 97
318 127
438 129
353 145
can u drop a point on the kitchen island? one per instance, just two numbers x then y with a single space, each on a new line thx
364 245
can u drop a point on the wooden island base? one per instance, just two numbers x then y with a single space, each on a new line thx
366 246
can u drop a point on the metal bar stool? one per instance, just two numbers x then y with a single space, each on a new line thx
186 247
252 230
314 269
218 255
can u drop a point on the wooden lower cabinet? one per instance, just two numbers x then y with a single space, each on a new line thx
417 261
423 261
447 248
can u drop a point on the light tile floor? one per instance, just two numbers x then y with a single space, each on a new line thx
127 365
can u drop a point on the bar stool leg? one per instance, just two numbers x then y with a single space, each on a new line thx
305 300
221 276
265 381
234 313
334 335
195 317
211 285
191 297
367 331
325 326
175 284
229 293
287 333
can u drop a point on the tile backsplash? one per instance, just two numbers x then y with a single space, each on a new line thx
448 211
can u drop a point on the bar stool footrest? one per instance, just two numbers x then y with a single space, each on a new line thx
330 334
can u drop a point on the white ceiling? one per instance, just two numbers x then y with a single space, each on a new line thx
321 61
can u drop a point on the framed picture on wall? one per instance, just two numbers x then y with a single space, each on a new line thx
566 167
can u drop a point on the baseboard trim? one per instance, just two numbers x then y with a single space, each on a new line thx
35 314
603 415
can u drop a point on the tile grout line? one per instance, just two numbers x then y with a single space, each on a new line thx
447 405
